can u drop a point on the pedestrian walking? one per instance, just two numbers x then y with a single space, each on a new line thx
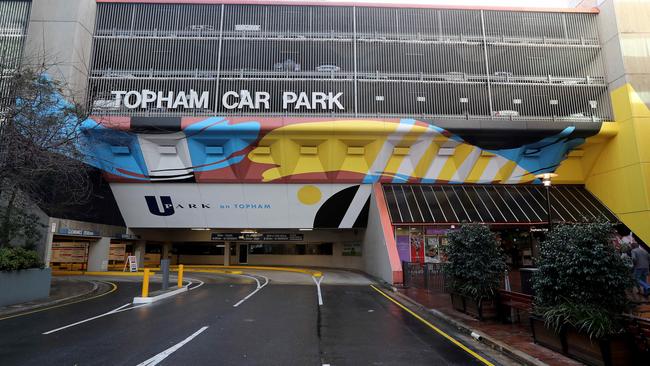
641 261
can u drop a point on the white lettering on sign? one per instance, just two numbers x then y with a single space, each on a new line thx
147 98
242 99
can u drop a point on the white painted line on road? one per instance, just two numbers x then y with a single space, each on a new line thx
116 310
195 287
164 354
317 282
259 287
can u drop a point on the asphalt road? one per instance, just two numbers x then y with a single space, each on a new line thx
281 324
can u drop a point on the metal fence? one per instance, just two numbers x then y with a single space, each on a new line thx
427 276
386 61
14 17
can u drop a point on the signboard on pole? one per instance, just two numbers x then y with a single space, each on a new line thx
257 237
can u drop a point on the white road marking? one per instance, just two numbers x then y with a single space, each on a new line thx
259 287
317 282
164 354
195 287
114 311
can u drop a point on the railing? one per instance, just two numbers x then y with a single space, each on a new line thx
414 62
427 276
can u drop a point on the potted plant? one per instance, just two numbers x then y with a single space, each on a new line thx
580 293
22 276
474 268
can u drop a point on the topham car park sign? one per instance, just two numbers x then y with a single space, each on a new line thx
241 99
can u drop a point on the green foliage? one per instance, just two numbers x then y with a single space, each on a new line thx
582 281
17 226
12 259
593 320
476 262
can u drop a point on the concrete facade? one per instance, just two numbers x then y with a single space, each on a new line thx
621 176
24 285
60 36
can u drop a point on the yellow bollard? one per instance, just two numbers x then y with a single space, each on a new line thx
180 275
145 283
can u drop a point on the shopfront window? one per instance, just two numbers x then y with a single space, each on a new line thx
434 242
517 244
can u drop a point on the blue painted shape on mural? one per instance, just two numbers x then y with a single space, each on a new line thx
205 136
104 148
97 143
544 155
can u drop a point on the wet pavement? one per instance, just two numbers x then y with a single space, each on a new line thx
280 324
517 335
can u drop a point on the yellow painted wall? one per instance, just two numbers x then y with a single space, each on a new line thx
620 177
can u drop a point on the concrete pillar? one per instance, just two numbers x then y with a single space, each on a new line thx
49 238
226 254
166 250
98 254
50 22
139 250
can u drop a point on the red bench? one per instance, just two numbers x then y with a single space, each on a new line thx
517 301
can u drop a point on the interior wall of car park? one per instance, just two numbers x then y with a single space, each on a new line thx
346 61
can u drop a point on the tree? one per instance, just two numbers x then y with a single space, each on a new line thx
476 262
40 147
581 281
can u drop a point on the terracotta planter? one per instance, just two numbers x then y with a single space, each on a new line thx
611 351
545 336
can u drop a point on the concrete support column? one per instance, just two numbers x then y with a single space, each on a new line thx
98 254
138 251
49 238
167 250
226 254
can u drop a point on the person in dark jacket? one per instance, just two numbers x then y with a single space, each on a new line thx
641 261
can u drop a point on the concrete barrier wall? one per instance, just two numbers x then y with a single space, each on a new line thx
25 285
380 252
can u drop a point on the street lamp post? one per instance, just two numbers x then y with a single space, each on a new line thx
546 179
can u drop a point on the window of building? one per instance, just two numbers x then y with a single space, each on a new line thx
291 249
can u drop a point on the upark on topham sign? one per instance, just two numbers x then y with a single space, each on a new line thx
230 100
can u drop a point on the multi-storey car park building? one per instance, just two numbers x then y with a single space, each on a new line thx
347 135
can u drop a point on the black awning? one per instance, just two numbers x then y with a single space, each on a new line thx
492 204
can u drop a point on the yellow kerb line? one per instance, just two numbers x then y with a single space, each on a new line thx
66 304
438 330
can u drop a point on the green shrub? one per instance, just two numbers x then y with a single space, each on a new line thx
582 281
15 258
476 263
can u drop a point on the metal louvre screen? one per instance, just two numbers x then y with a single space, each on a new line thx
492 204
14 17
384 62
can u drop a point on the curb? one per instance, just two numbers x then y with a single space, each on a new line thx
497 345
52 303
96 273
152 299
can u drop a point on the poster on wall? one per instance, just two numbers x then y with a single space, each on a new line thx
69 252
117 252
352 249
417 247
403 248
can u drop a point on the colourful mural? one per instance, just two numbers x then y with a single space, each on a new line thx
300 150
